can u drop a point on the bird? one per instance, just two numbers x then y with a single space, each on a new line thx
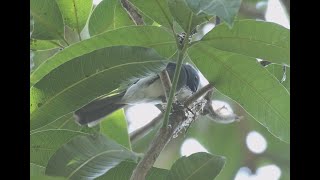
145 90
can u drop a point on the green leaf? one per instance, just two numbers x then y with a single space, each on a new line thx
108 15
87 157
75 13
184 16
44 143
48 23
115 127
278 72
37 45
36 170
265 40
46 178
87 77
157 10
197 166
225 9
66 122
39 57
244 80
146 36
124 170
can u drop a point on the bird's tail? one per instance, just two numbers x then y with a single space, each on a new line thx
93 112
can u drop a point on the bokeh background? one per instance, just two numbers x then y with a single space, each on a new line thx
252 152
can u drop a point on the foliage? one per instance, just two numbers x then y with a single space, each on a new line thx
80 52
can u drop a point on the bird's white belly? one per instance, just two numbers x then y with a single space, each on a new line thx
144 92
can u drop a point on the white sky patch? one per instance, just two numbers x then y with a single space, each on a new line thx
256 142
140 115
269 172
276 13
95 2
224 107
191 146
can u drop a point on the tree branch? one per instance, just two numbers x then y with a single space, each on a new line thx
133 13
164 135
145 129
166 83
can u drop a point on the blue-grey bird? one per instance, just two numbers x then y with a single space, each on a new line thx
145 90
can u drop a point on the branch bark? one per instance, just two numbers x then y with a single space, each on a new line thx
133 13
145 129
164 135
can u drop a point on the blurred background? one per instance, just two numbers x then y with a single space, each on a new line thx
252 152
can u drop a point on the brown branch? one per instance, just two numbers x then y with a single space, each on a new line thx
133 13
198 94
164 135
145 129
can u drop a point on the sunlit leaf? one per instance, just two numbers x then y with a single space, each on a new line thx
146 36
115 126
48 23
244 80
108 15
75 13
264 40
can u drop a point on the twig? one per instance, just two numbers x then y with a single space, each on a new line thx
198 94
163 136
145 129
133 13
166 83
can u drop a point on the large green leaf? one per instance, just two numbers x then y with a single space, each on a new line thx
108 15
197 166
265 40
184 16
36 45
38 57
75 13
157 10
225 9
77 82
124 170
46 178
44 143
48 23
36 170
87 157
146 36
280 74
244 80
66 122
115 126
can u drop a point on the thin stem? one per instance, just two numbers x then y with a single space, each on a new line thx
173 89
64 40
145 129
166 82
55 43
